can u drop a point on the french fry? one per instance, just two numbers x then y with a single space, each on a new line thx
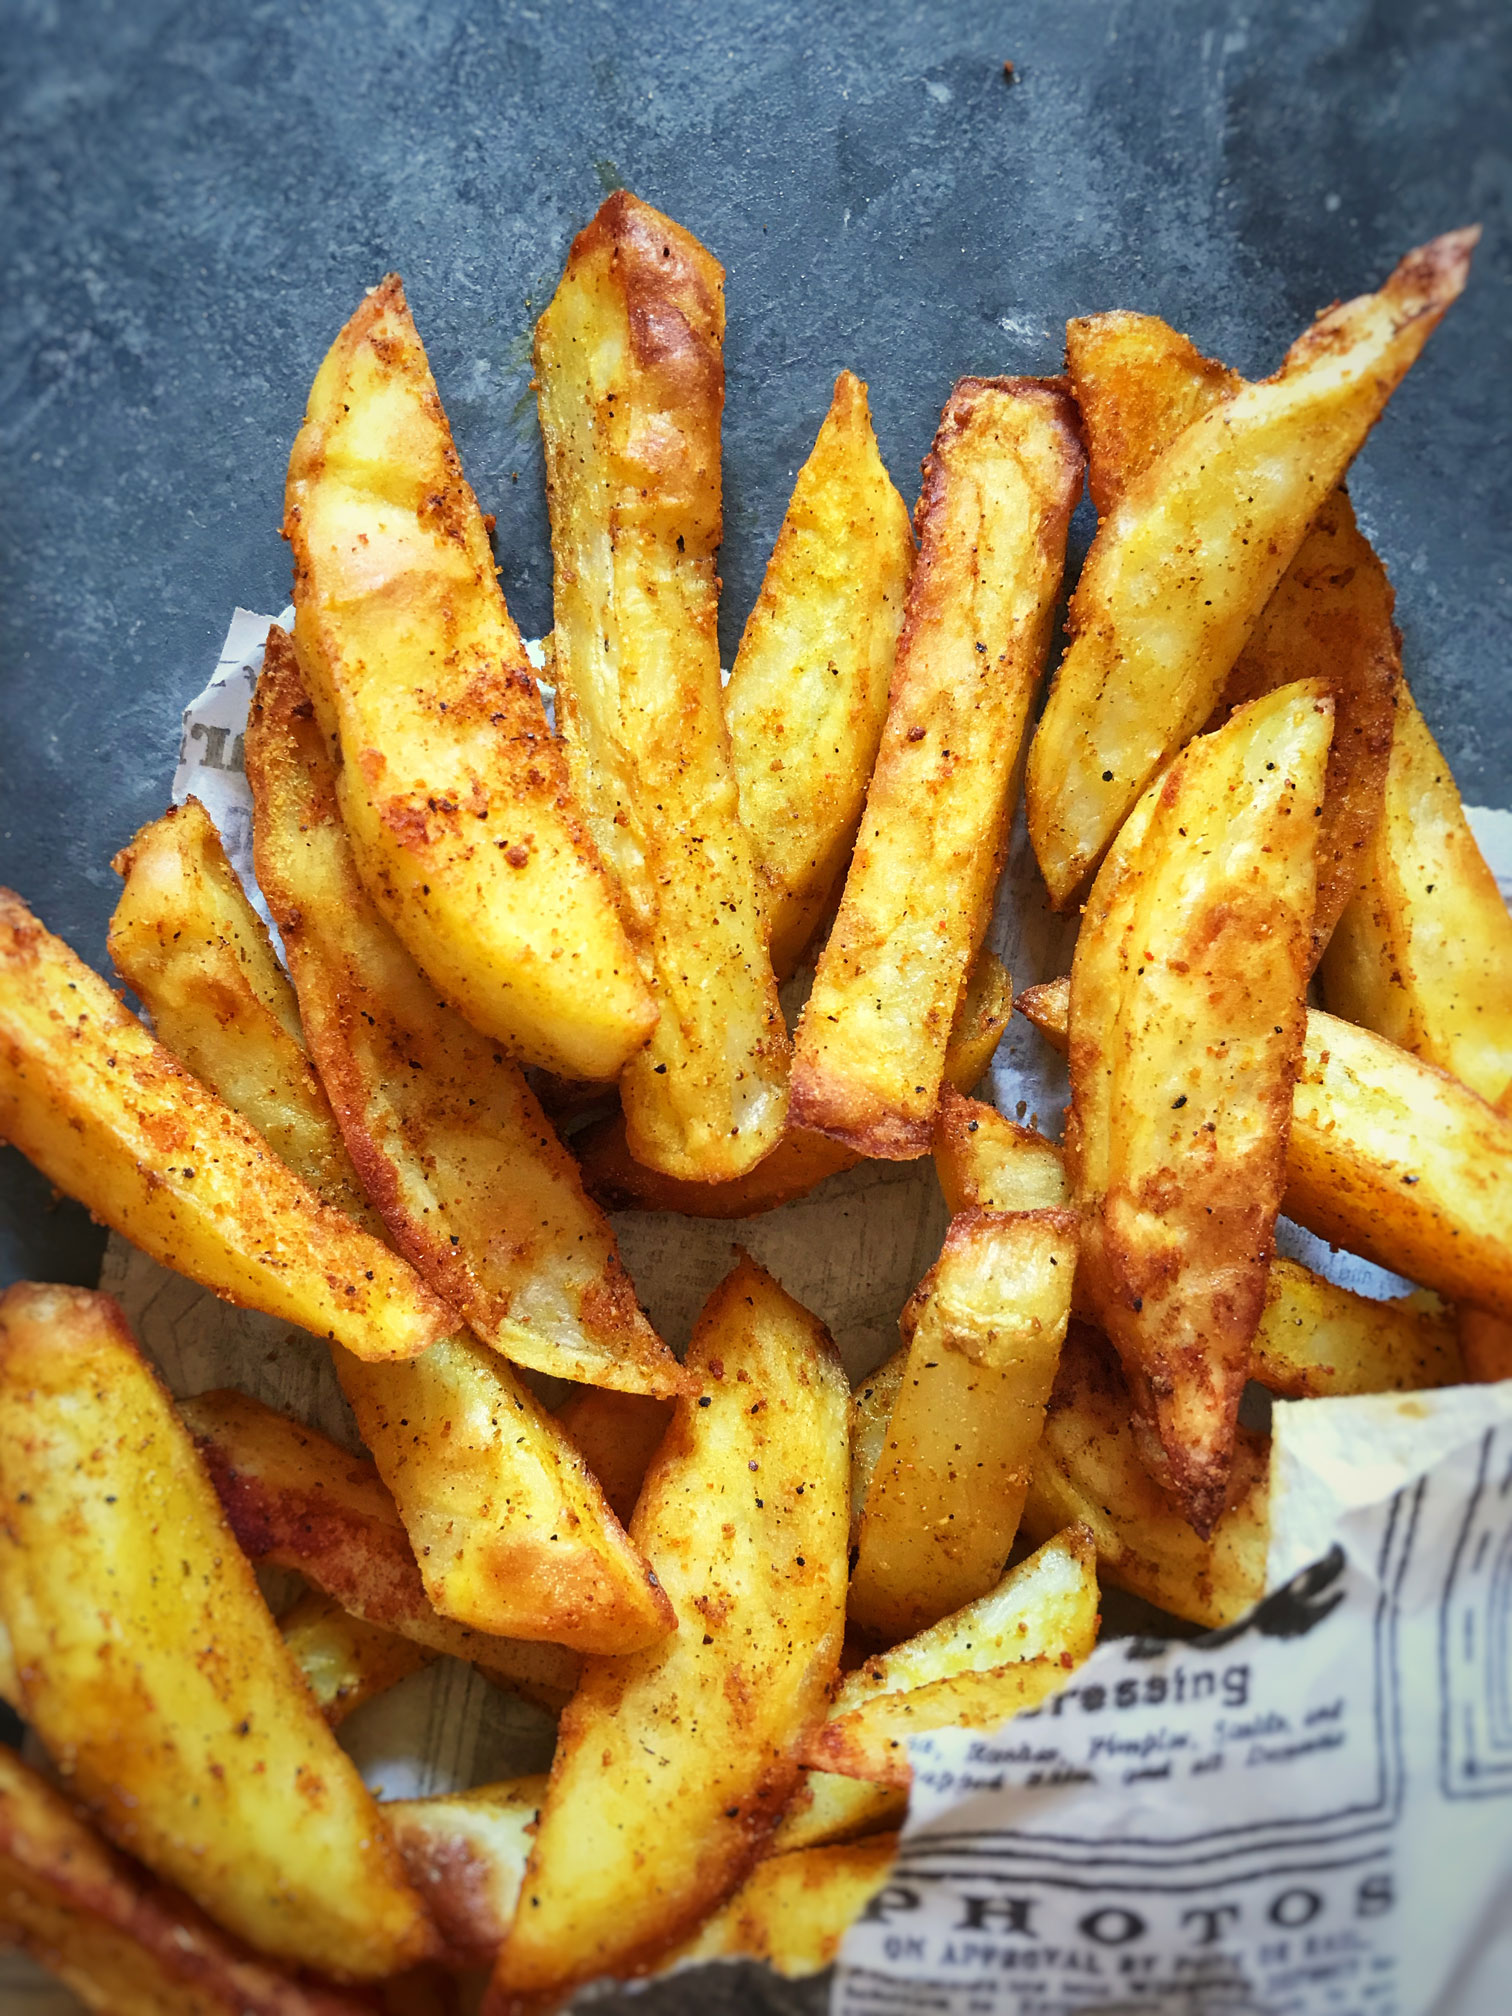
295 1500
792 1911
983 1333
827 1807
450 1143
124 1944
110 1117
985 1163
1138 385
630 380
1010 1649
1486 1346
618 1434
872 1401
1423 954
672 1767
151 1669
1193 549
1316 1340
1186 1026
466 1856
346 1661
800 1160
453 787
1089 1472
808 691
999 486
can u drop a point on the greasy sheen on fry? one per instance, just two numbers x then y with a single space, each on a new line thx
1192 550
672 1767
1000 484
807 694
110 1117
1186 1026
452 785
450 1142
630 381
217 1769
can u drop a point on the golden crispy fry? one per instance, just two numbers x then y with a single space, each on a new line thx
618 1434
1187 1019
872 1401
1316 1339
983 1333
452 785
827 1807
1089 1472
1194 547
1010 1649
1486 1345
1138 385
109 1116
792 1911
466 1856
800 1160
808 691
296 1500
345 1660
125 1945
630 378
672 1767
1423 954
450 1142
985 1163
149 1665
999 486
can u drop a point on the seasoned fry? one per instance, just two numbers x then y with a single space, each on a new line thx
452 785
109 1116
630 379
827 1807
150 1667
808 691
1316 1339
672 1767
296 1500
1186 1025
999 486
1423 954
800 1160
466 1856
985 1163
983 1334
1010 1649
618 1434
1194 547
125 1945
792 1911
872 1401
450 1142
1486 1346
1089 1472
344 1660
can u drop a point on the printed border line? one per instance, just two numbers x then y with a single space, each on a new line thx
1497 1783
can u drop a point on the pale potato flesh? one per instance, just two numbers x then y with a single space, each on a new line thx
1186 1026
673 1767
807 693
792 1911
151 1669
999 487
1192 550
986 1163
453 787
828 1807
109 1116
630 380
346 1661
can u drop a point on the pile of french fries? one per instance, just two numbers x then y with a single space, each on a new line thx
739 1585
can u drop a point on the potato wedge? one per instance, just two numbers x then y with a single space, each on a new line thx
453 788
466 1856
1316 1340
344 1660
986 1163
1010 1649
630 380
673 1767
827 1807
151 1669
1187 1022
999 487
872 1401
1486 1346
800 1161
124 1944
1423 954
295 1500
792 1911
1089 1472
983 1333
618 1434
449 1140
1138 385
1192 551
808 690
109 1116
